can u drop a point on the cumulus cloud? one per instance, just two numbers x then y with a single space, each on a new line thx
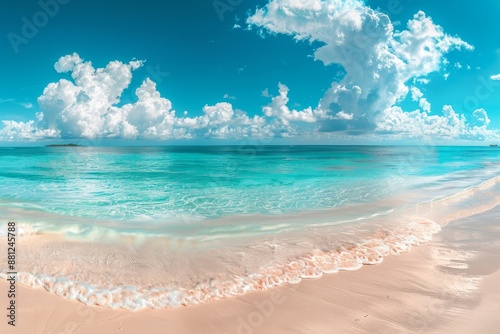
379 62
25 131
344 116
449 125
418 96
382 67
87 107
481 116
278 108
425 105
80 108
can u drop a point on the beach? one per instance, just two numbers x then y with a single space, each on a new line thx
446 286
280 166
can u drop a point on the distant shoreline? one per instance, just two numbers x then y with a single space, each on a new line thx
64 145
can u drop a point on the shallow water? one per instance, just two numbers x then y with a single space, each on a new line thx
165 227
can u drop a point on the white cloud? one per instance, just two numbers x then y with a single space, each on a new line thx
425 105
382 66
278 108
87 107
449 125
80 109
417 95
481 116
25 131
27 105
495 77
344 116
230 97
423 81
378 60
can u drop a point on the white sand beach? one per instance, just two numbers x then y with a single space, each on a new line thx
446 286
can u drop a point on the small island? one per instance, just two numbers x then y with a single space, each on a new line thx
63 145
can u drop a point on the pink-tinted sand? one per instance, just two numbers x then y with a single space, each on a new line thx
447 286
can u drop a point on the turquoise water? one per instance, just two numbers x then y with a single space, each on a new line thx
178 184
138 227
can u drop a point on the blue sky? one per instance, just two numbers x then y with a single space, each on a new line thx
221 64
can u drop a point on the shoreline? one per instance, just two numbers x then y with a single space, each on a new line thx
131 274
445 286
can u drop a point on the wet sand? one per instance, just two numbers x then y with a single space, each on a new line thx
447 286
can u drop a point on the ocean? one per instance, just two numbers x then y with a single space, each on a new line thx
154 227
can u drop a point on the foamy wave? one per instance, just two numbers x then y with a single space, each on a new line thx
465 193
21 229
314 265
